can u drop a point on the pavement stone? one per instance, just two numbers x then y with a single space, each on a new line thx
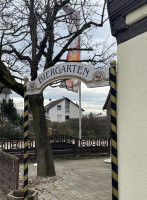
2 195
82 179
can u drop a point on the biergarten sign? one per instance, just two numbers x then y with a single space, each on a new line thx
90 76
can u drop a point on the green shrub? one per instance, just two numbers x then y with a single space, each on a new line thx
91 127
12 134
11 131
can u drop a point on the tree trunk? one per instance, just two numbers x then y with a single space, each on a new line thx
45 164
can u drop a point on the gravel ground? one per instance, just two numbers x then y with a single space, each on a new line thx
38 183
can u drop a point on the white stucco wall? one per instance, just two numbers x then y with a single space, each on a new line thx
53 112
132 118
74 111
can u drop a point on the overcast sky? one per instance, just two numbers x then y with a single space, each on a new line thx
93 99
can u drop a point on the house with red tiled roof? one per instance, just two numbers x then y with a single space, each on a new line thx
61 110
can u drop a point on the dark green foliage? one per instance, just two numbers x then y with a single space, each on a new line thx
92 127
9 111
10 131
69 127
11 134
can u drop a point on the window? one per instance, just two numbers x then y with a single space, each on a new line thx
67 117
58 107
67 108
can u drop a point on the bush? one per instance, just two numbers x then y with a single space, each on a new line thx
91 127
11 131
12 134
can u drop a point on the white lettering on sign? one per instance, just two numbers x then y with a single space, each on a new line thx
90 76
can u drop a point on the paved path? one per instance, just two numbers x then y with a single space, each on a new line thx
2 195
85 179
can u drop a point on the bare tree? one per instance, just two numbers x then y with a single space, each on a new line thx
34 37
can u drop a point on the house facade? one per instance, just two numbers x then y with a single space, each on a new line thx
5 93
61 110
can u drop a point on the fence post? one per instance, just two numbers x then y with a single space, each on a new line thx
109 146
113 113
35 150
76 147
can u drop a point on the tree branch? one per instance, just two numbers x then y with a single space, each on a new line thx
18 54
80 31
8 80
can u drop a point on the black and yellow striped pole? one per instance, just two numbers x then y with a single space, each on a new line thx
26 103
113 112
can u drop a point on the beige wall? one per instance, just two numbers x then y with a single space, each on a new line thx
136 15
132 118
